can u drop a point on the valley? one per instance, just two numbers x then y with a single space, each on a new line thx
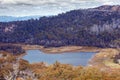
97 27
81 44
100 66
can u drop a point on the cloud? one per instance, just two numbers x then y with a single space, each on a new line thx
47 7
40 2
109 2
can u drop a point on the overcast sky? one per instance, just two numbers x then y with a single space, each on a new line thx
47 7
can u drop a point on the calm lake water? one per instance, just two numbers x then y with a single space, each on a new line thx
73 58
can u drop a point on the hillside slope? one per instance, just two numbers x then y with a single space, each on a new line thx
85 27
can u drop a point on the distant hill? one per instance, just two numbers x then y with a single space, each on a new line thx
11 18
109 8
99 27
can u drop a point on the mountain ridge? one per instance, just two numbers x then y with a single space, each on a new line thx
109 8
85 27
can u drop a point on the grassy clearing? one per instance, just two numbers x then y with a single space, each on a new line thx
111 64
105 58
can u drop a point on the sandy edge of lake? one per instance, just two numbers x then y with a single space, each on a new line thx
96 60
62 49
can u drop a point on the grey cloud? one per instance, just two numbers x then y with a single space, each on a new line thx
21 4
46 7
40 2
2 7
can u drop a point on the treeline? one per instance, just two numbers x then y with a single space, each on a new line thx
89 27
12 49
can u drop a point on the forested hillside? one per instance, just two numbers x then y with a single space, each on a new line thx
12 49
98 27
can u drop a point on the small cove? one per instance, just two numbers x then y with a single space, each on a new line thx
73 58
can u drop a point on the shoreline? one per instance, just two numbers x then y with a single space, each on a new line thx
53 50
101 59
63 49
104 59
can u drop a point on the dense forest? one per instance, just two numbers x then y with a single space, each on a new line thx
99 27
12 49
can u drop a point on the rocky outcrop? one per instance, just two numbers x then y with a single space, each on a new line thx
109 27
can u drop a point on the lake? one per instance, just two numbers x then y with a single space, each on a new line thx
73 58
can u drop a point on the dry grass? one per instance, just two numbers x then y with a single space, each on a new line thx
57 49
111 64
70 49
104 58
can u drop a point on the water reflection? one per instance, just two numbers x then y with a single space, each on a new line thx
74 58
